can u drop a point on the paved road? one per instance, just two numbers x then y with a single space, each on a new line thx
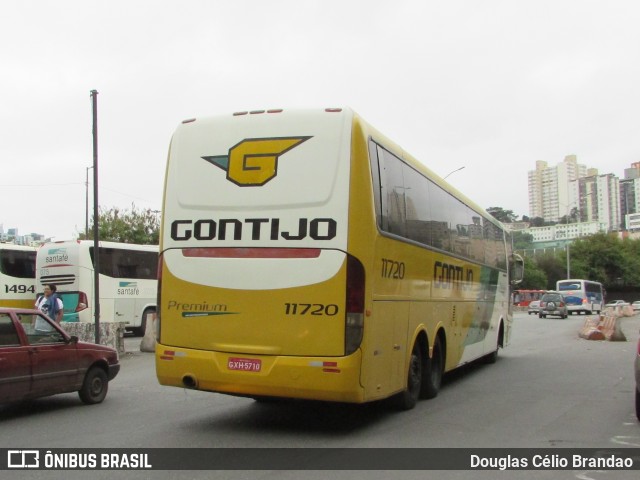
549 388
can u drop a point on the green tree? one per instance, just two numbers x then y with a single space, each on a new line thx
553 266
127 226
522 241
505 216
535 278
537 222
631 265
599 257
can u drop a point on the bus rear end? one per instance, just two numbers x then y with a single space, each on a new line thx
67 265
258 295
582 296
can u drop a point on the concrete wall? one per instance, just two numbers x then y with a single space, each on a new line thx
111 333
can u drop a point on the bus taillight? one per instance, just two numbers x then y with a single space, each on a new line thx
159 296
82 302
354 320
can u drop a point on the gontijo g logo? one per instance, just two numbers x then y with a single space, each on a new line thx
254 161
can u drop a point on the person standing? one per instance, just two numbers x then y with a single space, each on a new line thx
51 305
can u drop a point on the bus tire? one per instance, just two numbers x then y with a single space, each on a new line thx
408 398
492 357
94 387
432 378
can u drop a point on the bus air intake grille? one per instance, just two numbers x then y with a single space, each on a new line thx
58 279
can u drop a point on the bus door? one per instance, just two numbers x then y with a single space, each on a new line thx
125 301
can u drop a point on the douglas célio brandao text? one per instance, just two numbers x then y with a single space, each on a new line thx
550 462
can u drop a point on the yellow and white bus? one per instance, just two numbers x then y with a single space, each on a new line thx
305 255
128 280
17 275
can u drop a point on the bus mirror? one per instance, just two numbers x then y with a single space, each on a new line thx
517 269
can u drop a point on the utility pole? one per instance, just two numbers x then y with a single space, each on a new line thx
86 199
96 249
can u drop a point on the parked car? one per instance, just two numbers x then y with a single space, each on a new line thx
615 304
636 305
534 307
637 365
46 361
553 303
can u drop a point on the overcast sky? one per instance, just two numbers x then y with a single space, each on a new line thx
488 85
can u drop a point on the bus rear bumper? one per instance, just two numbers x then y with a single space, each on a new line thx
314 378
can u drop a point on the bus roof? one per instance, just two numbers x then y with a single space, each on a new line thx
101 244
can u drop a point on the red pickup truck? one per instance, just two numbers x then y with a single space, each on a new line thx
38 358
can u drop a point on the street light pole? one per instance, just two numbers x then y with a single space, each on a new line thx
96 249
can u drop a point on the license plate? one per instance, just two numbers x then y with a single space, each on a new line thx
244 364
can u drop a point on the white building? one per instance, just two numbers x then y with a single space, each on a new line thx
632 222
549 191
564 232
597 199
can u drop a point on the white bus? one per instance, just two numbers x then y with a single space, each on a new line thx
582 296
17 275
128 280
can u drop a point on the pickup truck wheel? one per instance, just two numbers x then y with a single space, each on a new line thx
95 386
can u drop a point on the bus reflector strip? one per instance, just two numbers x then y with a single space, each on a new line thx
171 354
251 252
328 367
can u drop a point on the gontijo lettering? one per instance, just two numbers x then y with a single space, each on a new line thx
254 228
451 276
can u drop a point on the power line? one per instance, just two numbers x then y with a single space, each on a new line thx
41 185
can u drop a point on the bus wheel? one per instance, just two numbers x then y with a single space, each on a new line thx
432 378
95 386
408 398
492 357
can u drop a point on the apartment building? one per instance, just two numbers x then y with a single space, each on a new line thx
573 191
549 188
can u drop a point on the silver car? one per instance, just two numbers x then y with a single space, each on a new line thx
534 307
553 303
